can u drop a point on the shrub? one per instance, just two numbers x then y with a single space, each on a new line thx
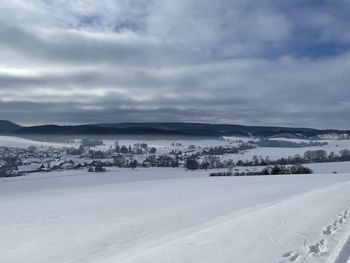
192 163
221 174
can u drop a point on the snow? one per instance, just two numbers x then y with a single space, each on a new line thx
163 145
12 141
327 168
317 168
28 168
170 215
279 152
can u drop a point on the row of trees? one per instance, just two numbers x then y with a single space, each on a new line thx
288 144
211 162
316 156
271 170
194 162
322 155
138 148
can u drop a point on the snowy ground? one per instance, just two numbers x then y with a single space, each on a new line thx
317 168
169 215
278 152
11 141
327 168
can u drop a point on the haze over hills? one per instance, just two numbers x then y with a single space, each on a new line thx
162 128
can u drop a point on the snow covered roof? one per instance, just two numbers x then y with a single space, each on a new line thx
29 168
55 163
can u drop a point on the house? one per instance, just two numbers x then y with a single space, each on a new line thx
77 165
29 168
55 165
67 165
119 159
146 163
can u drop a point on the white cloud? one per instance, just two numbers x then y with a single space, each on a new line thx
226 61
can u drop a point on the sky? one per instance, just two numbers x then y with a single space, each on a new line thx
269 62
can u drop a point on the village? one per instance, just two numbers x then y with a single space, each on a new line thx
15 161
94 155
19 161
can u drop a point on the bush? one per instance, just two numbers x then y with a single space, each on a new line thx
221 174
97 168
192 163
153 150
280 169
299 169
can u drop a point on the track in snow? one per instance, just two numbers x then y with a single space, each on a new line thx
318 250
145 216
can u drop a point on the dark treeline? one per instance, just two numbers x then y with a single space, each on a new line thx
221 150
316 156
288 144
204 160
271 170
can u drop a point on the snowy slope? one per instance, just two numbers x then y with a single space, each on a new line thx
327 168
168 215
11 141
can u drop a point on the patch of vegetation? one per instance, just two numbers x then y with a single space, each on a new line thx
271 170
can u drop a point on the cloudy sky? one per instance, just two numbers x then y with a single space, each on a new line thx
267 62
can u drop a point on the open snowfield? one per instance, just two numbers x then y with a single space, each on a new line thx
12 141
317 168
169 215
278 152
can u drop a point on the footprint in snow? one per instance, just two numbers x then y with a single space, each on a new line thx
291 256
319 248
328 231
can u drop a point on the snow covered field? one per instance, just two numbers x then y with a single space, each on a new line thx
11 141
279 152
317 168
169 215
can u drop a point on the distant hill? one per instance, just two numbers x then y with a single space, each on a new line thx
164 128
218 129
7 127
89 130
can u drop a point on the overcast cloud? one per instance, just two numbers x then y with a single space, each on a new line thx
251 62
